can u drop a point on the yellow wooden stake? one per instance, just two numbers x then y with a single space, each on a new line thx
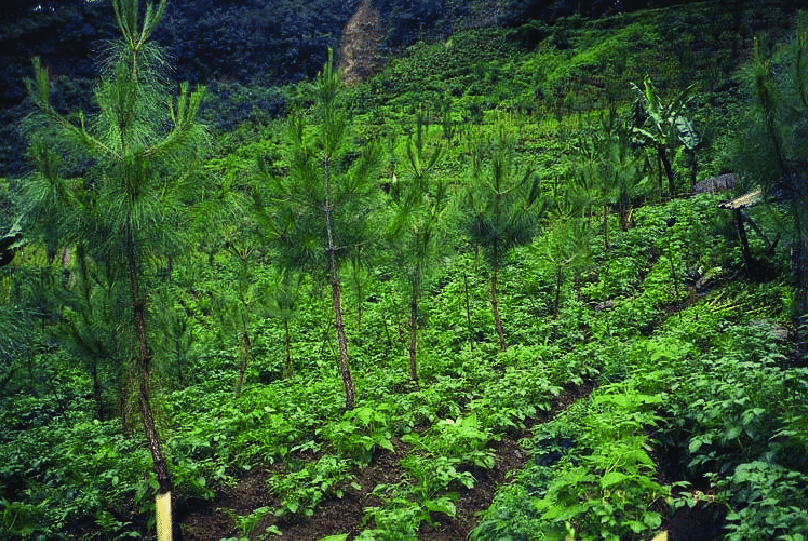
164 517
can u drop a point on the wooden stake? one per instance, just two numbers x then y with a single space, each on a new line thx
164 523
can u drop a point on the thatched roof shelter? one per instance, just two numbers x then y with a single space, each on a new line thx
721 183
749 199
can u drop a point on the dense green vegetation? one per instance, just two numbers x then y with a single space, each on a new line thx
493 239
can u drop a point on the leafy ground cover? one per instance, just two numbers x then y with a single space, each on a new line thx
697 389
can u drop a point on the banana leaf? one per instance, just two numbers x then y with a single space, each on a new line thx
687 133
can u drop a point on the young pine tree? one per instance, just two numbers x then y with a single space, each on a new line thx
128 207
416 230
502 209
91 308
320 214
567 243
237 309
283 305
773 148
622 171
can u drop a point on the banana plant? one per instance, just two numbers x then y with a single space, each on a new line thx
664 128
10 241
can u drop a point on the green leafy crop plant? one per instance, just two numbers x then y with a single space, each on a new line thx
303 490
270 422
424 407
770 502
404 508
591 476
460 441
732 410
606 492
406 505
735 415
108 479
247 524
432 476
438 465
516 396
361 433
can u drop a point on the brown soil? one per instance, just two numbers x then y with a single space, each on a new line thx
702 522
205 521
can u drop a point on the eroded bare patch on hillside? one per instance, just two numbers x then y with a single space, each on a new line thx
360 43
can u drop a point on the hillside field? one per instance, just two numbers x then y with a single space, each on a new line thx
535 281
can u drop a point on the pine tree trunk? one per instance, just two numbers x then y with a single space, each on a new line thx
342 339
143 362
495 308
559 283
468 311
412 350
287 339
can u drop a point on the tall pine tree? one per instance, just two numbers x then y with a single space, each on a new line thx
127 207
321 212
773 148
